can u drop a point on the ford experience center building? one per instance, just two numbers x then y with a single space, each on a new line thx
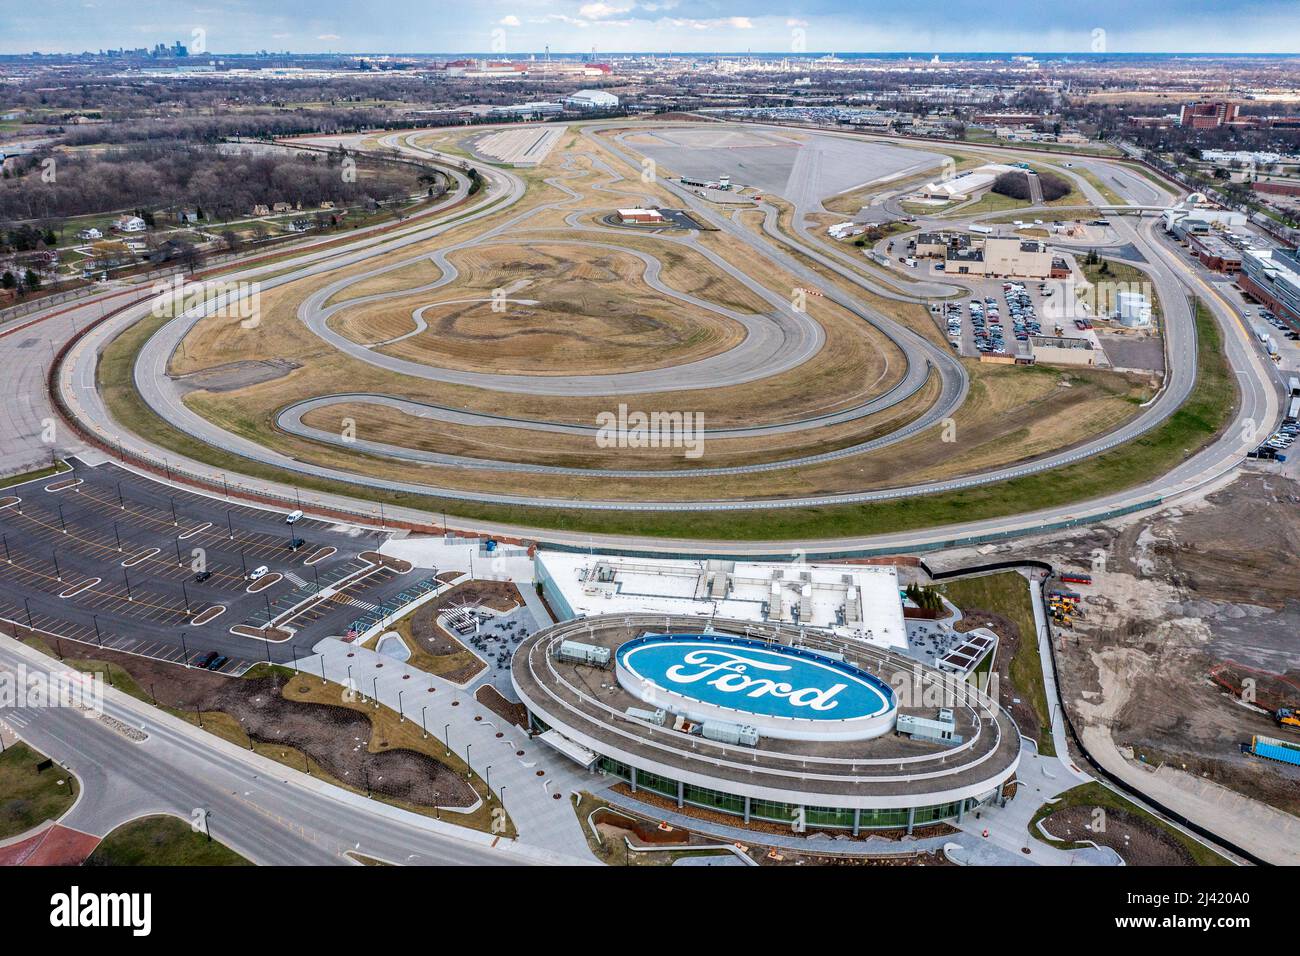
764 722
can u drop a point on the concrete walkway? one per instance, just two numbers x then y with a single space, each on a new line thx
998 849
528 785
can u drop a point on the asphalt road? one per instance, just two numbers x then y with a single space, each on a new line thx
269 813
1259 404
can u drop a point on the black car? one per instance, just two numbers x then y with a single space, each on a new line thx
202 576
219 662
206 659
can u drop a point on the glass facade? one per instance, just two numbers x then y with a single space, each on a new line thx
715 800
665 786
774 811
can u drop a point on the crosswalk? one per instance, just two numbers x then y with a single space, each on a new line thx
358 603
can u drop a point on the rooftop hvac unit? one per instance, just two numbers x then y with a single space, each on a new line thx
728 733
656 717
581 653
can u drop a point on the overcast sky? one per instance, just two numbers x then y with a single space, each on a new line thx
575 26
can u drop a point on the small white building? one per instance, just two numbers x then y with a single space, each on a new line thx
591 100
1132 309
640 215
90 233
130 224
965 185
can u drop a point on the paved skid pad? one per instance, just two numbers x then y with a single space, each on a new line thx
802 171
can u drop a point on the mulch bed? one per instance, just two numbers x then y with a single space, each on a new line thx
492 699
1146 843
334 737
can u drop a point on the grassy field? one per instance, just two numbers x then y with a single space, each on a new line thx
1095 795
988 138
1007 594
1108 194
1192 426
162 841
55 469
1010 415
29 797
1127 277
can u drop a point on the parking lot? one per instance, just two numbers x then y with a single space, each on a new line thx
108 558
999 319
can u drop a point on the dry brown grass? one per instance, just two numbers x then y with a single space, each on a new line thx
1012 412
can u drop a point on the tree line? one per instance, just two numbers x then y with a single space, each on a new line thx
224 185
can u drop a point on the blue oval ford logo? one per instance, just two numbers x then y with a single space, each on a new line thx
754 677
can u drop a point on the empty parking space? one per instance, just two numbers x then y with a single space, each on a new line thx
117 560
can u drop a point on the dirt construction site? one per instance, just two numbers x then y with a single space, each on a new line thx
1189 611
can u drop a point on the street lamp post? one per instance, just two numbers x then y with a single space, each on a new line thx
446 737
423 724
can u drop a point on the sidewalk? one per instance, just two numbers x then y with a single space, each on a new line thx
527 785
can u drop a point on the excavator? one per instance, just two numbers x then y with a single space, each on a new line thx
1288 717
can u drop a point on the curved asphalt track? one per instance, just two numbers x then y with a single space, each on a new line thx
1259 405
774 343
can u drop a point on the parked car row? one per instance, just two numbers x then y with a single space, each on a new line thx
212 661
953 313
1278 324
1020 306
1280 441
987 322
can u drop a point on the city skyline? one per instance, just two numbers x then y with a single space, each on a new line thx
516 27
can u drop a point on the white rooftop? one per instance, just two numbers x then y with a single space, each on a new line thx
854 602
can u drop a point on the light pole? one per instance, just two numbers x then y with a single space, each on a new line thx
446 737
423 725
469 771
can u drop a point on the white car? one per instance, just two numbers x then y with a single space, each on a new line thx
258 573
292 516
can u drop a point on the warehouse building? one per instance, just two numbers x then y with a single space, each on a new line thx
966 185
1216 251
1061 350
730 718
1000 256
591 100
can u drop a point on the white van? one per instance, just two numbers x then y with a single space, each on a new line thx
292 516
258 573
